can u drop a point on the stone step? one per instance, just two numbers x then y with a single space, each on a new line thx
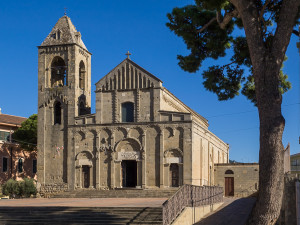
115 194
80 215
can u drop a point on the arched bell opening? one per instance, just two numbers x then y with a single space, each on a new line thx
82 75
58 72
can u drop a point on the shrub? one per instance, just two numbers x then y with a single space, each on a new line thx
11 188
24 188
27 188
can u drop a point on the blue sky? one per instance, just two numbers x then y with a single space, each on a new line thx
109 29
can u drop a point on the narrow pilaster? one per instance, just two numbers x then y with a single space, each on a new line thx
144 159
161 157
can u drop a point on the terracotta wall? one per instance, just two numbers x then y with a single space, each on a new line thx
6 150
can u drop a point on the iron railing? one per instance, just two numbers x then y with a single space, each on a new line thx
190 196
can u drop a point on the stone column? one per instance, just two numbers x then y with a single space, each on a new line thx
117 173
180 171
139 174
97 170
80 176
144 159
91 177
112 170
161 157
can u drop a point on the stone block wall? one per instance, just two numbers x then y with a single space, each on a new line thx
245 176
288 209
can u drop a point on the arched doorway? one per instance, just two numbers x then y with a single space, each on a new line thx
84 172
130 164
173 164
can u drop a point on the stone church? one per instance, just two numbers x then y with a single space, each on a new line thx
141 135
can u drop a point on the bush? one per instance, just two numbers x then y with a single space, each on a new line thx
24 188
11 188
27 188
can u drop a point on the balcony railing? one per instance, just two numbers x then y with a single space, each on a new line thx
295 168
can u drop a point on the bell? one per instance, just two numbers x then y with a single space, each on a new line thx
58 73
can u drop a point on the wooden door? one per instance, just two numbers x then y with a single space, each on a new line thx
86 176
229 186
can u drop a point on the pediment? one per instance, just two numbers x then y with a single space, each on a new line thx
128 75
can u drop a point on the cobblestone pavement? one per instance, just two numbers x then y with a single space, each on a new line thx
234 211
83 202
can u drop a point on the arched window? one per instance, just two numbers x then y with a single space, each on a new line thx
58 72
127 112
57 113
229 172
81 75
20 165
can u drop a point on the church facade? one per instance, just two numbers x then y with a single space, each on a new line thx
141 135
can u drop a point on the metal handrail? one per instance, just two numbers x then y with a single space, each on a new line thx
190 196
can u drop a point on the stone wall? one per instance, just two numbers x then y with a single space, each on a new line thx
288 208
245 177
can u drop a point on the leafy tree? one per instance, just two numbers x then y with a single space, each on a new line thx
26 135
254 70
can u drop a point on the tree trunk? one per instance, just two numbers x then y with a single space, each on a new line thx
268 205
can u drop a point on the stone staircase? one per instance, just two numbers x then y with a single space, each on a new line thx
80 215
116 193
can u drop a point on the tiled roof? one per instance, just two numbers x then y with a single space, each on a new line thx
13 120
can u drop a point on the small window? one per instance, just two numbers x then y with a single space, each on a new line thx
57 113
127 112
34 168
4 136
229 172
20 165
5 164
58 35
81 75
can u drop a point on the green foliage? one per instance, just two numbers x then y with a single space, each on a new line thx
26 135
11 188
24 188
199 27
27 188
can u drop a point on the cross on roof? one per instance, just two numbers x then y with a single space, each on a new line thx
128 54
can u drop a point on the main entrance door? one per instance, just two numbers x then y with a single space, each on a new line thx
129 173
229 186
174 172
86 176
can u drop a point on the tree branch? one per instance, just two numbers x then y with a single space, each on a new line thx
207 25
285 25
261 14
227 18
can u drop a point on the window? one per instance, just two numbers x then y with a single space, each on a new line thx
81 75
4 163
229 172
295 162
20 165
127 112
4 136
34 168
57 113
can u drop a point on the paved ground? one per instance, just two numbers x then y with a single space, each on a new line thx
234 211
84 202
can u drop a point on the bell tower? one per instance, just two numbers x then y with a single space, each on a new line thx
64 92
